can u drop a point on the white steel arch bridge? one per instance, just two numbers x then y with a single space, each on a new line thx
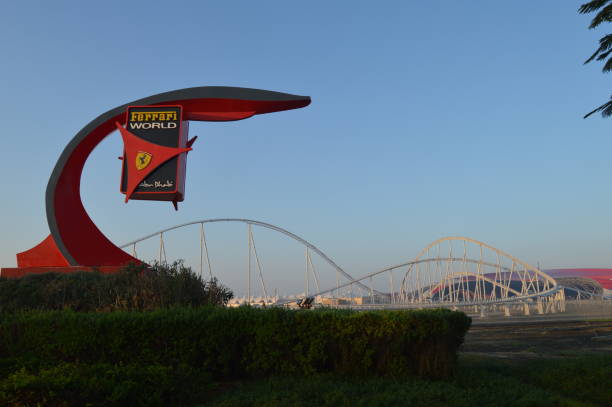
450 272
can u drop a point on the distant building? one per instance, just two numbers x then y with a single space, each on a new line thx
601 277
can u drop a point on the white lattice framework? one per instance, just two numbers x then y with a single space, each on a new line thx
449 272
463 271
457 272
253 256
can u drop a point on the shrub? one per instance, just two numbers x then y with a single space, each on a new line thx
135 287
244 342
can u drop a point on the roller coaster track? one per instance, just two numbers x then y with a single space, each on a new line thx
534 283
256 223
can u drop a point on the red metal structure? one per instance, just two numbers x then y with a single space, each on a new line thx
75 241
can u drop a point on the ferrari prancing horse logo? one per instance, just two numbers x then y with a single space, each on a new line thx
143 159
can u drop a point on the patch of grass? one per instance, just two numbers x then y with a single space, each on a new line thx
479 381
582 377
73 384
580 381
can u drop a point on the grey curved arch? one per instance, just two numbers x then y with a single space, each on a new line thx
256 223
83 137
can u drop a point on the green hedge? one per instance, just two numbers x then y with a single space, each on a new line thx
243 342
136 287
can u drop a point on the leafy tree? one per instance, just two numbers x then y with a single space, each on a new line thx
605 44
135 287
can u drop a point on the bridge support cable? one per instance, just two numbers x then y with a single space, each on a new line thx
509 279
447 286
315 273
259 267
392 298
498 277
307 271
310 268
204 251
162 248
482 287
306 287
249 267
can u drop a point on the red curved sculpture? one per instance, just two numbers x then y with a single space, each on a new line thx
75 240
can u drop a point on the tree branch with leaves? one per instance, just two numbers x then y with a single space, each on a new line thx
604 14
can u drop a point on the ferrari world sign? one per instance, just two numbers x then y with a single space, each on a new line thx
155 134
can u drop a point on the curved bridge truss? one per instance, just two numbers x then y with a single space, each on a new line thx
252 249
460 270
457 272
450 272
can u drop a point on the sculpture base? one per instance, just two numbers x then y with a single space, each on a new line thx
18 272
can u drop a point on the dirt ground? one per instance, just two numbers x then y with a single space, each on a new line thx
537 337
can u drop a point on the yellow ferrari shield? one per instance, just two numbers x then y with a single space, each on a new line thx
143 159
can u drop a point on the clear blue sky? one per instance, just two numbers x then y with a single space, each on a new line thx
427 119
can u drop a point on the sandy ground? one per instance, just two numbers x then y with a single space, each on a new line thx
538 336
